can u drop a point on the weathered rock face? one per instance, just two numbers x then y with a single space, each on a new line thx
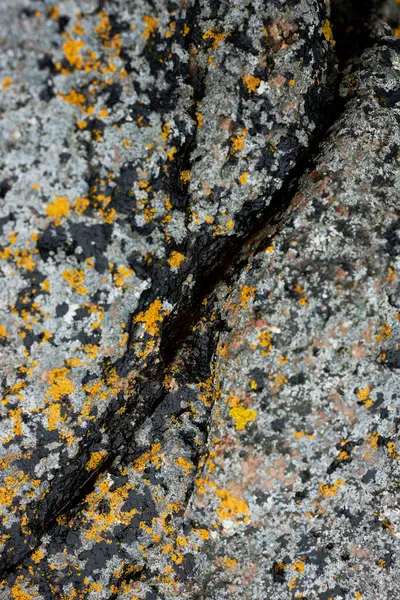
149 150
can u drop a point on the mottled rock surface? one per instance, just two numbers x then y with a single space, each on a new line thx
191 409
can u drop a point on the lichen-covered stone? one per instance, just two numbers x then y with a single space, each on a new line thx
299 490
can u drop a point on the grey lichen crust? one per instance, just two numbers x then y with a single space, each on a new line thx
143 145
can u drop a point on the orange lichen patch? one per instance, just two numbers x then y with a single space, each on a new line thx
251 83
392 450
216 38
222 350
17 593
246 294
35 186
165 131
238 141
242 416
385 333
23 258
364 395
199 119
151 26
15 415
60 207
123 273
60 385
185 465
7 81
391 275
176 259
91 350
298 566
75 279
10 488
152 456
301 434
265 341
231 563
37 556
185 176
72 52
291 82
81 124
3 332
80 205
358 596
95 460
99 520
153 315
243 177
232 507
328 491
74 98
327 31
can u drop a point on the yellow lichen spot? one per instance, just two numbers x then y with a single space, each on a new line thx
45 285
364 395
199 119
328 491
17 593
176 259
3 332
291 82
358 596
238 141
73 97
204 534
301 434
123 273
251 83
327 31
95 460
7 81
80 205
231 507
46 336
75 279
222 350
231 563
37 556
60 385
265 341
171 153
60 207
153 315
216 38
35 186
242 416
385 333
185 465
153 456
298 566
243 177
165 131
185 176
151 25
91 350
246 295
181 541
82 124
72 52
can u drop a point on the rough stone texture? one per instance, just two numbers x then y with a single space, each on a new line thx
148 147
299 491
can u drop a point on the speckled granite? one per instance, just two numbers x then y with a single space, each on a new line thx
150 149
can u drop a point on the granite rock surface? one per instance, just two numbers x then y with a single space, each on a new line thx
199 330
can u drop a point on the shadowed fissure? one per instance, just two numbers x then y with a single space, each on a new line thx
211 260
